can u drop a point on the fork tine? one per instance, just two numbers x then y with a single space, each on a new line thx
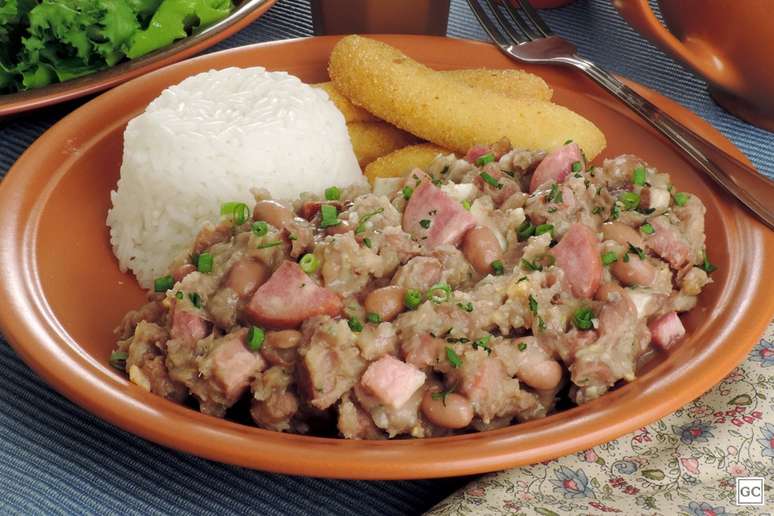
489 26
506 26
532 16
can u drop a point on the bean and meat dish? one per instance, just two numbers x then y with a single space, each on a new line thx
465 297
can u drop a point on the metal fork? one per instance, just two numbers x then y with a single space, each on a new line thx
524 36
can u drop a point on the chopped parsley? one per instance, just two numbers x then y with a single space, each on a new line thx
497 267
412 299
544 228
555 195
577 166
615 212
582 318
525 230
483 343
490 180
636 250
466 204
373 317
706 265
196 299
533 305
647 228
407 192
367 242
118 359
425 223
441 395
522 346
453 358
597 210
609 257
530 266
355 324
467 306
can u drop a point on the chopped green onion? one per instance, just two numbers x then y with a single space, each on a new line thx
490 180
522 346
530 266
706 265
609 257
555 195
439 293
204 263
309 263
630 200
118 359
255 338
441 395
497 267
196 299
582 318
541 323
467 306
523 278
567 142
639 252
546 260
407 192
615 212
361 225
626 258
260 228
235 210
269 244
681 198
425 223
577 166
597 210
412 299
179 294
163 283
355 324
525 230
466 204
332 194
367 242
437 182
544 228
639 176
647 229
483 160
483 343
330 216
373 317
533 304
453 357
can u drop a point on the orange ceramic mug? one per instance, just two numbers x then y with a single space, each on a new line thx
728 42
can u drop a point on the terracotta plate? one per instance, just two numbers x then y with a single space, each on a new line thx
63 293
245 13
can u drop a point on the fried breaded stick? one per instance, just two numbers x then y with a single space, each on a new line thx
512 83
440 109
370 140
402 161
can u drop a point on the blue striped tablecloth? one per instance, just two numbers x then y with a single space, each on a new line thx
56 458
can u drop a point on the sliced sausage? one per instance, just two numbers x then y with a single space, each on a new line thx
290 297
556 166
577 254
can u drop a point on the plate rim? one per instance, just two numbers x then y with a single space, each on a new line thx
21 335
55 93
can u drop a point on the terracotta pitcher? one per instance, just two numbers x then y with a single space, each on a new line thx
727 42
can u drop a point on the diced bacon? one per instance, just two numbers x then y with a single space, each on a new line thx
392 381
666 330
445 219
289 298
476 152
577 254
667 242
188 326
556 166
234 366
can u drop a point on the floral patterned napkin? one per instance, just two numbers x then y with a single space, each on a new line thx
683 464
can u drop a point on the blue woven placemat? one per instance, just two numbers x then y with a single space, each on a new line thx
56 458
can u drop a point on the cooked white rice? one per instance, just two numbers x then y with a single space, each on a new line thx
209 140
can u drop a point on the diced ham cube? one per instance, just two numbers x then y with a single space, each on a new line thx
667 242
577 254
188 326
234 366
289 297
556 166
434 218
392 381
666 330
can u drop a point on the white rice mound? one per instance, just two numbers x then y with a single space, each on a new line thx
209 140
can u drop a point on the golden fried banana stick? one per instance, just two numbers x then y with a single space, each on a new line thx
371 140
445 111
512 83
402 161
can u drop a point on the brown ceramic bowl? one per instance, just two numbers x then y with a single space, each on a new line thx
63 293
245 13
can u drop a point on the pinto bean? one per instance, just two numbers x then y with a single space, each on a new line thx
246 276
387 302
276 214
622 234
183 271
455 411
481 248
607 291
634 272
284 339
339 229
542 375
